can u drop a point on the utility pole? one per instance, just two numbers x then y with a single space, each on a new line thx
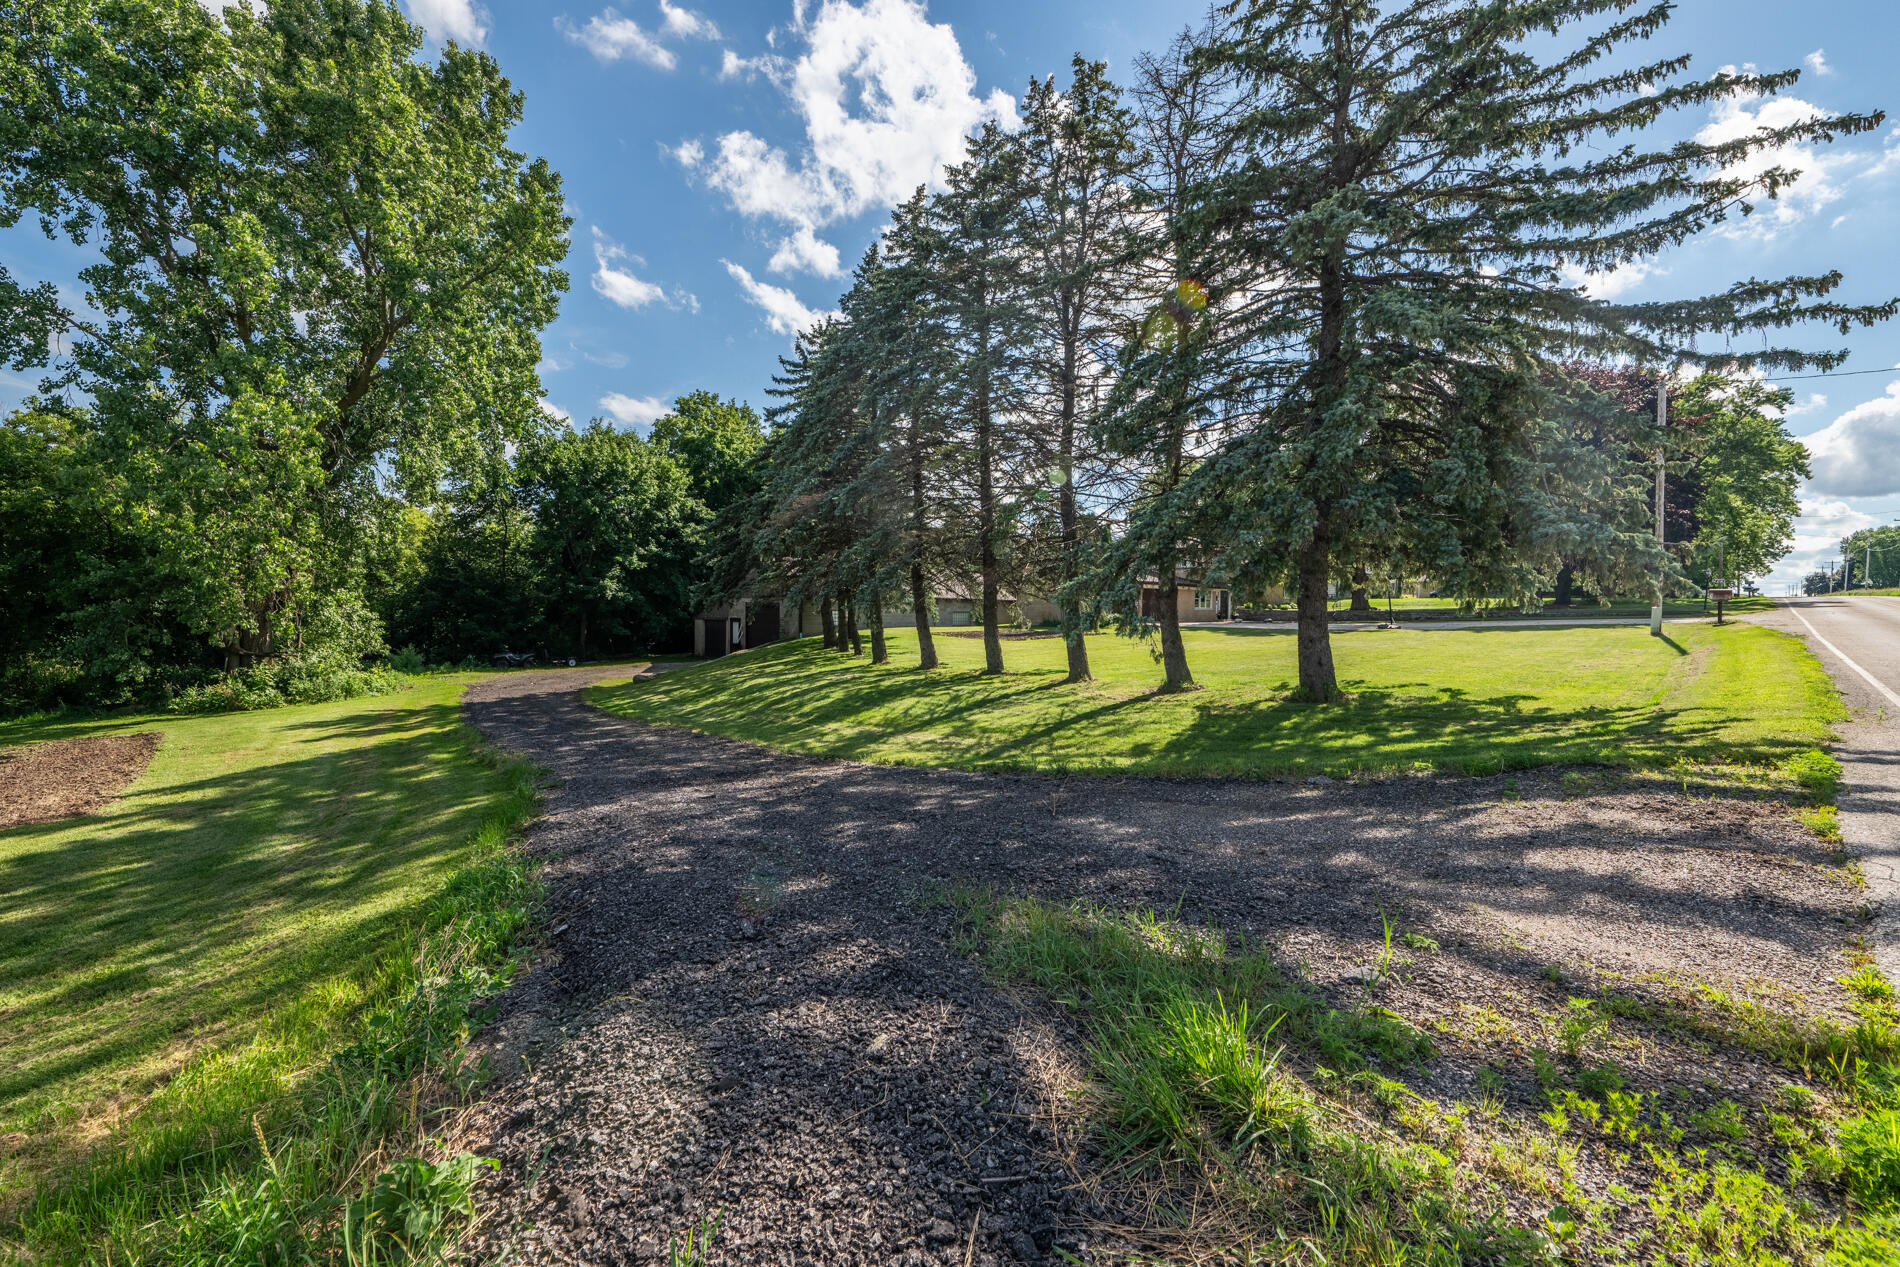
1662 427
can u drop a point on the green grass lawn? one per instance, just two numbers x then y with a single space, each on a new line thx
231 916
1448 700
1584 607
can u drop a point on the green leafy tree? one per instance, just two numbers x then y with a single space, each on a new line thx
1876 556
1414 181
1746 470
718 442
615 524
320 265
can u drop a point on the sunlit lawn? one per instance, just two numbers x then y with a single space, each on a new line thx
1582 608
241 895
1449 700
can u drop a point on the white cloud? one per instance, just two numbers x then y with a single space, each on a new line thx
805 250
1613 281
1817 62
554 411
1818 531
1858 455
1823 173
610 36
616 284
460 20
688 154
635 411
887 100
612 360
686 24
783 310
1815 400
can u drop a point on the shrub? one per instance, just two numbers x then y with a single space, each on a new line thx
408 660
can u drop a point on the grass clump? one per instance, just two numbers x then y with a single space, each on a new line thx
1215 1071
238 1057
1816 773
1741 698
1219 1082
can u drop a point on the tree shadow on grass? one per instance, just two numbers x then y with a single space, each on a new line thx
795 697
197 906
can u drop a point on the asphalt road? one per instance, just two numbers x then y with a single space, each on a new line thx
1858 639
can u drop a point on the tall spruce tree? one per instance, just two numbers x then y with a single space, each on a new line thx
1164 411
978 270
1077 154
1417 179
910 369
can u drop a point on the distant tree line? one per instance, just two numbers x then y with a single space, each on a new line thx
1869 559
1298 308
296 419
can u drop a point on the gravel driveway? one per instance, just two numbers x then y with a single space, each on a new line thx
839 1086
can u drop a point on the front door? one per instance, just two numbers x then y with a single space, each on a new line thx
715 637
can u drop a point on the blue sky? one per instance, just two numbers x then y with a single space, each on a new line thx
728 161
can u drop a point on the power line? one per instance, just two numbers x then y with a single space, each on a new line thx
1789 378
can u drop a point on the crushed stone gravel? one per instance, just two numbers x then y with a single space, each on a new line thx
750 1007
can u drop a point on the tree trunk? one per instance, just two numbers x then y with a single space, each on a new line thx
1174 665
987 561
848 613
1361 592
1332 373
1317 680
1072 627
920 606
878 654
826 626
1566 582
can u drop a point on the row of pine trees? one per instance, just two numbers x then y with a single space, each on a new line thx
1297 305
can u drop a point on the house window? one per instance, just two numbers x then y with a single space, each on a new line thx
1203 600
738 634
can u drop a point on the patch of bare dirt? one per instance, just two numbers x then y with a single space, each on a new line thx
64 778
753 1007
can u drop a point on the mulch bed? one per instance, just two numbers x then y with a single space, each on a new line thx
752 1008
64 778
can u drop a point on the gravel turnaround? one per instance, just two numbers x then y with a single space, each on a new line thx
751 1006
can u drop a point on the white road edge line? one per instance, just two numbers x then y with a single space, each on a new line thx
1842 656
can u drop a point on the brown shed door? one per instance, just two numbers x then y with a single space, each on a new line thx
715 637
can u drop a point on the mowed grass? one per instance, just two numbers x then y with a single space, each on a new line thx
1583 607
239 906
1471 701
